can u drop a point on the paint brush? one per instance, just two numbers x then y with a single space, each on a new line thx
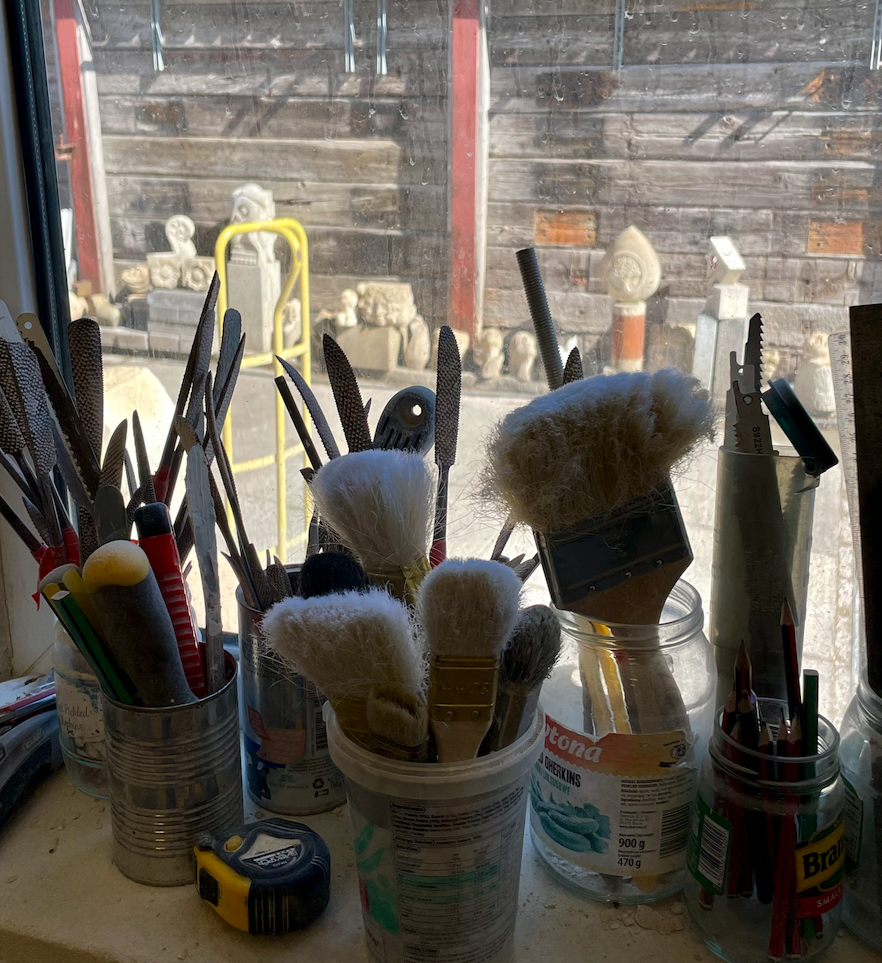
330 572
587 467
378 503
347 396
347 643
398 721
136 622
467 610
448 391
527 661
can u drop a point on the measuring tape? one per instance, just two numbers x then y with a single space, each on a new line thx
267 878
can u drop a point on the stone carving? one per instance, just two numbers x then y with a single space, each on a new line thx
198 272
522 351
386 303
251 202
347 316
165 270
631 270
180 230
292 323
137 280
814 378
373 349
487 353
419 345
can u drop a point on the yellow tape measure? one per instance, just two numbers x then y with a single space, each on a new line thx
267 878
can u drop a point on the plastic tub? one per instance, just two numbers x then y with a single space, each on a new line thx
438 849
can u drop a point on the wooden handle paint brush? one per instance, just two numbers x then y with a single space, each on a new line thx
467 611
136 622
448 391
398 721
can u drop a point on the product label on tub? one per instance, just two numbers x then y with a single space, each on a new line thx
441 882
617 805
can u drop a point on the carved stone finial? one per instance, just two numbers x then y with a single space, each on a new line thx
251 202
631 270
522 351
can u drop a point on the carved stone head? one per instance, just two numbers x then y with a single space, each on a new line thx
179 230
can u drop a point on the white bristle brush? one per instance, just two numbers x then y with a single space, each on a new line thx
380 504
346 643
467 610
398 720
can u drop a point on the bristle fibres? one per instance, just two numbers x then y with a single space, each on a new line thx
379 503
398 715
533 648
468 608
346 643
594 445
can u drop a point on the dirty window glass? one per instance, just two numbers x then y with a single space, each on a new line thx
420 144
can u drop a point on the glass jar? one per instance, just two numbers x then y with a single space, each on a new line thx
766 848
629 711
861 758
80 721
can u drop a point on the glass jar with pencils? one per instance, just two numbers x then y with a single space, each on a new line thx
767 838
629 712
862 774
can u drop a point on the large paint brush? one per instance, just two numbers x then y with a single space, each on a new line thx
136 622
379 505
398 721
346 644
448 390
347 396
467 611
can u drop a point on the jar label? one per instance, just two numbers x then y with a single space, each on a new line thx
618 804
820 866
710 842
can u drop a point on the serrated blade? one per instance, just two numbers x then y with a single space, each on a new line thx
114 457
448 391
313 407
347 396
753 350
87 367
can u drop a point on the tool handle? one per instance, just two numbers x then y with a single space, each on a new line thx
162 552
71 544
438 552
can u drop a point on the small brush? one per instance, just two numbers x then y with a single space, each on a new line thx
379 505
347 643
330 572
527 661
467 610
398 720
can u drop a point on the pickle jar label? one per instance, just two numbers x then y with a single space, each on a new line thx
619 804
820 868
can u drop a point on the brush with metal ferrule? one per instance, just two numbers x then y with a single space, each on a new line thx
379 504
527 661
398 720
467 610
346 643
331 572
136 622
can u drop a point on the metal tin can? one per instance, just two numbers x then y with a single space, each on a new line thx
173 773
288 766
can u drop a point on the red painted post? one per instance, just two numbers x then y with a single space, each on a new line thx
465 39
76 136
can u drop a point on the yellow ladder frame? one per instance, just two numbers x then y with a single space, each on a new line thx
292 232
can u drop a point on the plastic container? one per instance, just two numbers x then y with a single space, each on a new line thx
767 849
861 759
288 767
610 794
80 721
174 773
438 849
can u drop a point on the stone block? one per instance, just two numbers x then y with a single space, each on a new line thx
126 339
254 290
175 307
728 301
167 341
371 349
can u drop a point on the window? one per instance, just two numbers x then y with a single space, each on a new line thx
423 143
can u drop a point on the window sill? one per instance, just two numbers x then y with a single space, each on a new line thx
62 901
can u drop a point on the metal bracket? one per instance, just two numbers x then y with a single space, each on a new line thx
382 33
619 34
348 37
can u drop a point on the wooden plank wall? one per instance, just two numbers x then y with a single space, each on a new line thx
754 118
257 92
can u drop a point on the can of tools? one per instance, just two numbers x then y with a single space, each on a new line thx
288 766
